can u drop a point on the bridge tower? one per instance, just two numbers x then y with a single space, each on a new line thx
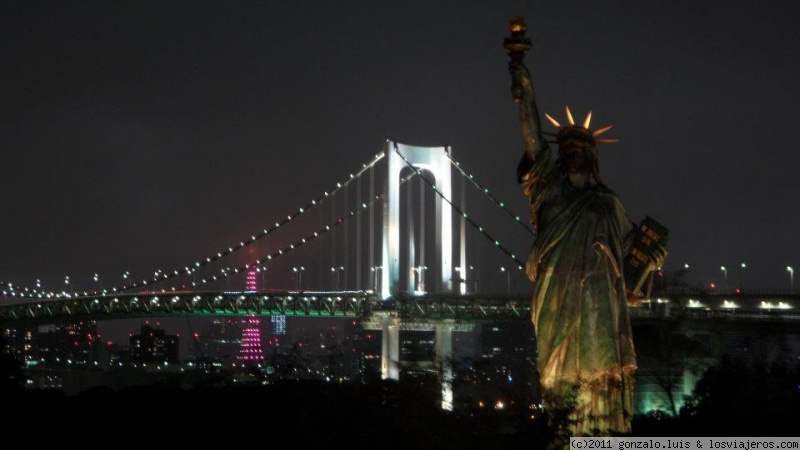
436 161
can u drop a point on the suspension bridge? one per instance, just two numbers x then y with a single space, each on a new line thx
381 242
373 253
363 248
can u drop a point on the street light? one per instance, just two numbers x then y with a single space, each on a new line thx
508 278
96 279
791 278
744 266
336 270
725 274
299 271
475 282
262 271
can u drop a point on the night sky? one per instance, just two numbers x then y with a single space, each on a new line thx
145 135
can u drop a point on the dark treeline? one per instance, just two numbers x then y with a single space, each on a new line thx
732 399
299 414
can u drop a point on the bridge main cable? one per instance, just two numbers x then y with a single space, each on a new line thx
462 213
500 204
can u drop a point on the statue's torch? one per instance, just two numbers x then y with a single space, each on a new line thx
515 46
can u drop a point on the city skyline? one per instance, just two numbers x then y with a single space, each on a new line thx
144 138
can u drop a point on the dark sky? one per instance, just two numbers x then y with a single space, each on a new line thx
148 134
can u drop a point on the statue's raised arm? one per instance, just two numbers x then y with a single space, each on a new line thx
523 94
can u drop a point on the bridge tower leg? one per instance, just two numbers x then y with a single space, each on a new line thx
436 161
390 347
444 353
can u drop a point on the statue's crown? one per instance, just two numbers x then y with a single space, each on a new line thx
580 132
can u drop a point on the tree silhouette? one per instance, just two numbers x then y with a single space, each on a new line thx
738 397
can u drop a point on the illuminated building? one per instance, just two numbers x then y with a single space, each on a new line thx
153 346
278 325
221 339
68 345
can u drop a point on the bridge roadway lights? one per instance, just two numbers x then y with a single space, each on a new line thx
162 304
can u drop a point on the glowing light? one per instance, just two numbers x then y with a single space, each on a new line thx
729 304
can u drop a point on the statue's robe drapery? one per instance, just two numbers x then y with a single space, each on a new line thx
586 356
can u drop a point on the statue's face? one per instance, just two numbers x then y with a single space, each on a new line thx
573 155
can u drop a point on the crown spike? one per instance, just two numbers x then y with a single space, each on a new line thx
601 131
588 120
553 121
569 117
607 141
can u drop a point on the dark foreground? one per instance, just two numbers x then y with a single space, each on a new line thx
311 415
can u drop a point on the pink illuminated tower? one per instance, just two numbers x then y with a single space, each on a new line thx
252 279
250 350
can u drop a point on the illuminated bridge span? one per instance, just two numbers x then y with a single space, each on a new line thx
373 255
364 305
463 310
410 234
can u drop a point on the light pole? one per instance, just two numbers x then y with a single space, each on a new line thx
508 279
791 278
475 283
299 271
744 266
725 275
262 271
375 270
335 271
99 285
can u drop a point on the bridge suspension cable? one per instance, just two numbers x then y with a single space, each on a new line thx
162 276
485 190
293 246
307 207
462 213
186 270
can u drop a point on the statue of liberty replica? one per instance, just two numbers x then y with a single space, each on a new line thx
589 264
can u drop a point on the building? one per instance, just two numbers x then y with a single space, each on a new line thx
152 346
